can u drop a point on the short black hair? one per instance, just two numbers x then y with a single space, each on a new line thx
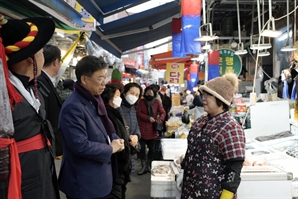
89 65
108 93
130 85
151 88
224 105
51 53
155 87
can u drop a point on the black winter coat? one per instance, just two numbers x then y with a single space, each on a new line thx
53 106
123 157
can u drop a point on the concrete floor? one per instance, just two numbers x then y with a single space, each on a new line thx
138 188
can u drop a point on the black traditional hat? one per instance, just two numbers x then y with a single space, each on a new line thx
17 30
22 39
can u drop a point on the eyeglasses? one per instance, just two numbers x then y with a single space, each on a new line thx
100 79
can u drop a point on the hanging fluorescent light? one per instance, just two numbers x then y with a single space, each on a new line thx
271 33
210 37
240 50
260 46
263 54
289 34
288 48
206 38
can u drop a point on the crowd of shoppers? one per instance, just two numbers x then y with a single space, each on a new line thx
98 128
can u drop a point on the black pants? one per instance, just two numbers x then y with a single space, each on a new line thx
3 189
119 188
151 145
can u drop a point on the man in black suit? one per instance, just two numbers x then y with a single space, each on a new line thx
47 82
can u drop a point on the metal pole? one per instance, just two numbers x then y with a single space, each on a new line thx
295 25
206 65
204 12
238 17
288 24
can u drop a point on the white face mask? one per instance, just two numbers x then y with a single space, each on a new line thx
131 99
117 101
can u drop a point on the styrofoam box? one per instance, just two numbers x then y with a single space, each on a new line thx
162 187
173 148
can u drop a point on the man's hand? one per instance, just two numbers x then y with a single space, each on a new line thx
117 145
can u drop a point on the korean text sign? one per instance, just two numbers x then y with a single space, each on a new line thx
229 62
175 73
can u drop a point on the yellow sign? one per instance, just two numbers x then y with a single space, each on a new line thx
175 73
86 16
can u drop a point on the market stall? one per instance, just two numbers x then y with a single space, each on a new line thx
271 165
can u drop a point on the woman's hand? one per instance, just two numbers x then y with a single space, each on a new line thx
134 140
151 119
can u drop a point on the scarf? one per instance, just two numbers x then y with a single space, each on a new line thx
99 106
149 106
28 95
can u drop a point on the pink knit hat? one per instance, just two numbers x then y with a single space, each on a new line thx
223 88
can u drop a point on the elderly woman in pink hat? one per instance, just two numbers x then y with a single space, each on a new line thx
216 145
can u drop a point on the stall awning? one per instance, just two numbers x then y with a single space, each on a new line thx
65 17
159 61
132 31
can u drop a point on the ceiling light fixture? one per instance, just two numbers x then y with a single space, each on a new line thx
240 50
288 48
263 45
263 54
210 37
208 26
260 46
270 32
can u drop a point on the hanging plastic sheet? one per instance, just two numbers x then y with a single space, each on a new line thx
192 82
190 27
176 37
213 71
191 7
213 64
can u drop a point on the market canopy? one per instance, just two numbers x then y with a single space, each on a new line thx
159 61
132 31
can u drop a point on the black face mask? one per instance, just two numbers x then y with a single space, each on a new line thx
148 97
